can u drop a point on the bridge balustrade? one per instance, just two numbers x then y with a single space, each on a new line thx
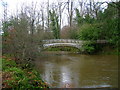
62 41
67 42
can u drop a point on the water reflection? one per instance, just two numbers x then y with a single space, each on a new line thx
65 76
80 71
48 73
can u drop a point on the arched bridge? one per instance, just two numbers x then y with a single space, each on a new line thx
66 42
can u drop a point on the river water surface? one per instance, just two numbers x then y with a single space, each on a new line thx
78 71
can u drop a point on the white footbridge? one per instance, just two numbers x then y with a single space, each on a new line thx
67 42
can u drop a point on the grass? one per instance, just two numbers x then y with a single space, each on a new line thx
70 49
15 77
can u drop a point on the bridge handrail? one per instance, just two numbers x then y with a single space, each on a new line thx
70 41
62 40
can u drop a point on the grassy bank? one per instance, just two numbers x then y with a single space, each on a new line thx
19 78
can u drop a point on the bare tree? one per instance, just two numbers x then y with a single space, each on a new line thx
48 14
61 9
81 5
60 12
4 21
70 12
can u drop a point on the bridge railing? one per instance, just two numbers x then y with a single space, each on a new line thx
70 41
61 41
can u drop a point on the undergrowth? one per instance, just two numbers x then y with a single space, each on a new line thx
14 76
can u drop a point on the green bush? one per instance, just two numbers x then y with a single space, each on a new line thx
90 32
73 34
18 78
88 48
7 64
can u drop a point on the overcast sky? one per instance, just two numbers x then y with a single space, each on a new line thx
13 5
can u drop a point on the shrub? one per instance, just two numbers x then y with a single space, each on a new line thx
18 78
88 48
90 32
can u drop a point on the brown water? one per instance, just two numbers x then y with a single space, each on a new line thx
78 71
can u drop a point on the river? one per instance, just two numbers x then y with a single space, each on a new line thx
60 69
